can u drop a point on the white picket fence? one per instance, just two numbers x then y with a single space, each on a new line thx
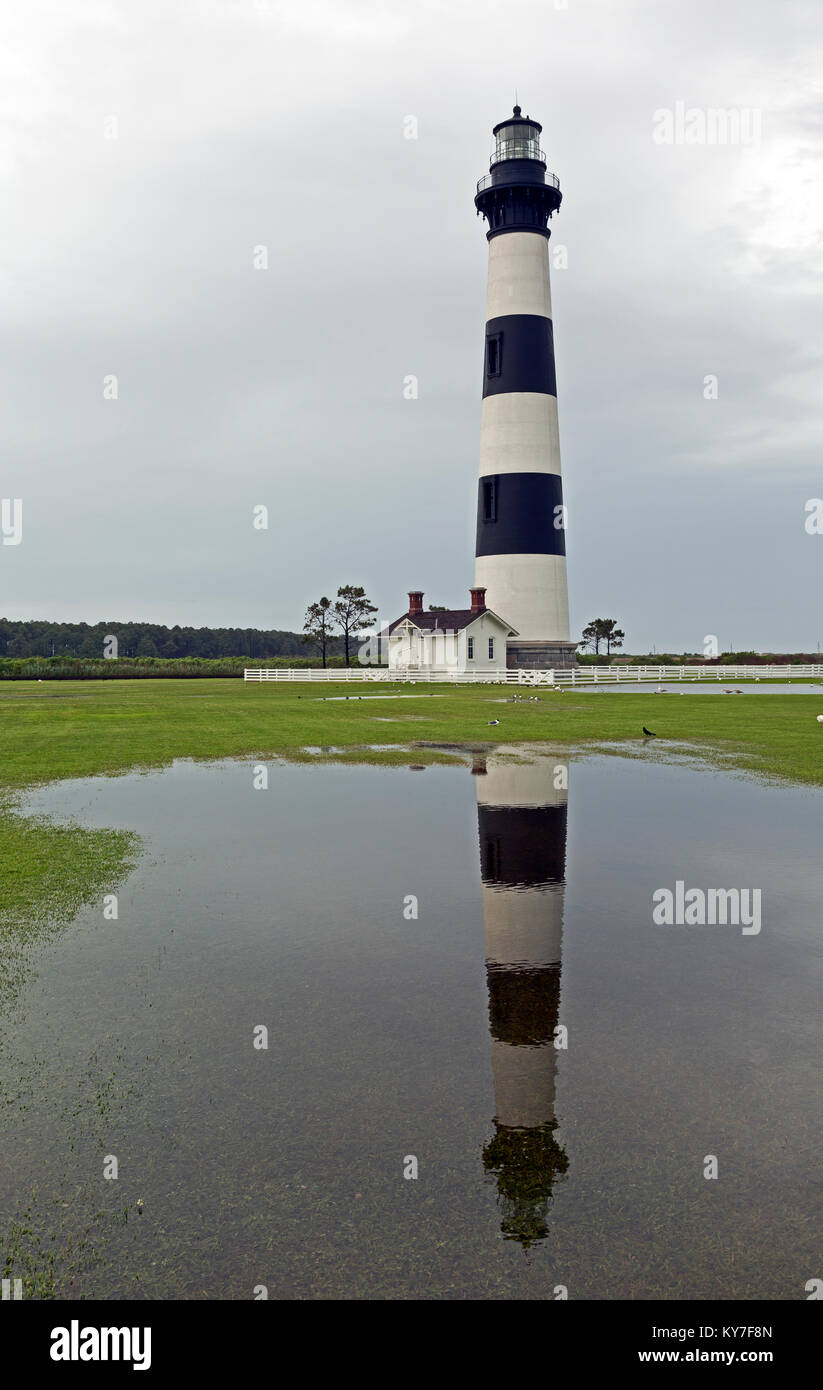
631 675
581 675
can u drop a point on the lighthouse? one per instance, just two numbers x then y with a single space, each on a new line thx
521 547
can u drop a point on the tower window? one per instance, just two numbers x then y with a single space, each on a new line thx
489 499
470 651
491 649
494 354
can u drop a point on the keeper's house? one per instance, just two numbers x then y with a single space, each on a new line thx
456 640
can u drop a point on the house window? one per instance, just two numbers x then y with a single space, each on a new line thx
489 499
494 354
470 652
491 649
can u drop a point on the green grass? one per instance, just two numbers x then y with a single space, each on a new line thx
84 728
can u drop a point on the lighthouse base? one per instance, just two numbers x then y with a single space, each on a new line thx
540 656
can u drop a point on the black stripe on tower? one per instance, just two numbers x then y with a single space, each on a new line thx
524 1004
517 514
522 846
519 355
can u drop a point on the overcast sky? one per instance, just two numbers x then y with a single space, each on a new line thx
282 125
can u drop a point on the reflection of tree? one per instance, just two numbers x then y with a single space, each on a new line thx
526 1163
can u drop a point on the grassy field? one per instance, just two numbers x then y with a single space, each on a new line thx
81 728
77 729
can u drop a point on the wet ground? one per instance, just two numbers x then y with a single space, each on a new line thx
485 1072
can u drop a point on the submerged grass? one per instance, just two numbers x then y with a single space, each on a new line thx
48 873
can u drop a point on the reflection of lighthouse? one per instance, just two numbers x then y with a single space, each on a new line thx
522 825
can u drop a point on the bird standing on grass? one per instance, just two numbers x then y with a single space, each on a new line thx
648 732
494 721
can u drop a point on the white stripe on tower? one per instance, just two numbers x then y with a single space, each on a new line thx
519 275
520 552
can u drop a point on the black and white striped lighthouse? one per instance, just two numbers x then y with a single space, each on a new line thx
521 550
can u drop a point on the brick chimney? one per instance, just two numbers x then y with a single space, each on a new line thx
415 601
478 600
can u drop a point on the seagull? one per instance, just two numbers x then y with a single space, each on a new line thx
494 721
648 732
820 719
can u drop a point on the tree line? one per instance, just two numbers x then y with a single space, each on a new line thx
330 630
23 639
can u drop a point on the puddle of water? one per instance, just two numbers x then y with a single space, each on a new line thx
701 688
411 946
322 751
424 695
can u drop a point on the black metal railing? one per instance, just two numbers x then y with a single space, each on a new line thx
551 179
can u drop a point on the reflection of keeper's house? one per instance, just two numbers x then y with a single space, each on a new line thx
451 639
